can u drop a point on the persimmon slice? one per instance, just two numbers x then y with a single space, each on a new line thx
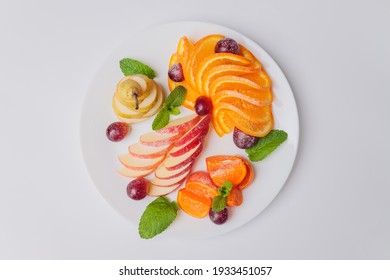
193 204
223 168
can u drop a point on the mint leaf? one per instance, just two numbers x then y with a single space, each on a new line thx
157 217
224 191
176 97
131 67
161 120
219 203
266 145
174 111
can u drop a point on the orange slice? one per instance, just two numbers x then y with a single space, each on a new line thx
246 53
254 129
261 78
254 114
233 83
224 122
202 49
222 70
216 59
255 97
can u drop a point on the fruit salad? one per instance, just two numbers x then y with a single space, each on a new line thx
229 92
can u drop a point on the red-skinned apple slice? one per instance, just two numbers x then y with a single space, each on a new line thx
155 139
163 173
139 150
203 123
169 182
134 163
173 163
178 151
124 171
180 125
154 190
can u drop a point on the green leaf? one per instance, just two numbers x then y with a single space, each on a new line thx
224 191
219 203
161 120
176 97
157 217
131 67
174 111
266 145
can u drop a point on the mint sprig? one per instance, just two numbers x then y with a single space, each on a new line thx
157 217
170 107
266 145
219 201
131 66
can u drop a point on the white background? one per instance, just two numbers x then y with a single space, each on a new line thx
336 203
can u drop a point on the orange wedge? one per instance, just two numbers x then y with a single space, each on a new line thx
222 70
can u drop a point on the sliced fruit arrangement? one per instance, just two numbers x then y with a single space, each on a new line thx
137 98
169 152
231 76
202 188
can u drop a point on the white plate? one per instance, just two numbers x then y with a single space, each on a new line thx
154 47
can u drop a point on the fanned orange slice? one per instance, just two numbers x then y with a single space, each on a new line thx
255 97
233 83
261 78
222 70
258 130
202 49
254 114
246 53
224 122
216 59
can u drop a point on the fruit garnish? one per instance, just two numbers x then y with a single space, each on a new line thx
243 140
117 131
266 145
157 217
137 188
131 66
227 45
203 105
137 98
235 197
224 168
175 72
219 217
228 73
194 205
170 106
219 201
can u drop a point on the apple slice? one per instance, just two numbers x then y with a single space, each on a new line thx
155 139
169 182
173 163
180 125
139 150
163 173
127 172
132 162
154 190
204 122
178 151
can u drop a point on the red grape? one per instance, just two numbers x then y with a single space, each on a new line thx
175 72
243 140
117 131
227 45
137 188
203 105
218 217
